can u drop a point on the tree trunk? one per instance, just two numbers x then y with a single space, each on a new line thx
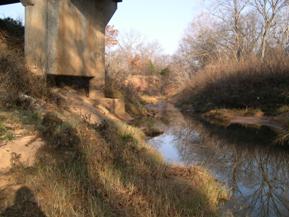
263 44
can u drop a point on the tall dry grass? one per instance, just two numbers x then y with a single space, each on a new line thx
250 83
109 171
105 170
15 77
115 88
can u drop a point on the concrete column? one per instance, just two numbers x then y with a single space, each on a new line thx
97 83
36 35
105 10
67 38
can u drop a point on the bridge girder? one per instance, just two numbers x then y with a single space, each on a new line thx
6 2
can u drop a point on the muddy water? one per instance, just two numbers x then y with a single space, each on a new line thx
244 159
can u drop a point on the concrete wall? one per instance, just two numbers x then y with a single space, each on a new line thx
67 37
36 35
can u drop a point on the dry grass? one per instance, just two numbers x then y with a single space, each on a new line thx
15 78
240 85
110 171
12 35
133 102
105 170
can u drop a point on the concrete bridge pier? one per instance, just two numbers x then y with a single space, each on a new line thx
66 39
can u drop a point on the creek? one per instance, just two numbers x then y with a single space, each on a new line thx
246 160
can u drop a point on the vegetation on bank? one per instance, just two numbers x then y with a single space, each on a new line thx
237 54
249 84
133 102
91 170
227 93
110 171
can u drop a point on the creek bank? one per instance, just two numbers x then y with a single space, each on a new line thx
92 155
90 162
244 119
227 117
255 171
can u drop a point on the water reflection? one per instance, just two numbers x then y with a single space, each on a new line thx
244 159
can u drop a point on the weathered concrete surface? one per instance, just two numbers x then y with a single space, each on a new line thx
89 109
67 37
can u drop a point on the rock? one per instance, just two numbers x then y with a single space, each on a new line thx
153 132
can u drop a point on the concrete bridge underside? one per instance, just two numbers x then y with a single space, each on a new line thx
67 37
5 2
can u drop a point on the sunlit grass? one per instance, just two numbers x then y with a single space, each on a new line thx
113 172
249 83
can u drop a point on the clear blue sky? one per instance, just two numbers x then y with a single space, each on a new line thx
162 20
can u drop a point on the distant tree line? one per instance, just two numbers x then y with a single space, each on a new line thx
230 31
236 29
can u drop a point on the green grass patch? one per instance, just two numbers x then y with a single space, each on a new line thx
5 133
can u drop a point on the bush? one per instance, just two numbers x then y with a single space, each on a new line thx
250 83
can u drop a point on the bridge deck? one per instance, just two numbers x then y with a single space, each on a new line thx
5 2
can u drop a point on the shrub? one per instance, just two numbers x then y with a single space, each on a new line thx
250 83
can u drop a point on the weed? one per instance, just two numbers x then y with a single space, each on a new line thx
5 133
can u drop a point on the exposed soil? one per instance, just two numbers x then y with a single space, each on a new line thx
227 117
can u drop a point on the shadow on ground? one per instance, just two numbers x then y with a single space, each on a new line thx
24 205
98 171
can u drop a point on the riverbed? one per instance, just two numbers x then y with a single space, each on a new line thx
246 160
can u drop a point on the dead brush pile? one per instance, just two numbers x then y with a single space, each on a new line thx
240 85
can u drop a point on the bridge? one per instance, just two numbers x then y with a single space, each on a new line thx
66 38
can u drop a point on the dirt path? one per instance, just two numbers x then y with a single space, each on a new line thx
20 151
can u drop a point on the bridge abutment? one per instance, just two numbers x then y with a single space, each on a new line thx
67 38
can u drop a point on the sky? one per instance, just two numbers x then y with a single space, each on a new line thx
164 21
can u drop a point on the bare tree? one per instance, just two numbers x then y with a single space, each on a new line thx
204 42
250 33
238 7
268 10
135 55
231 15
111 34
280 33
